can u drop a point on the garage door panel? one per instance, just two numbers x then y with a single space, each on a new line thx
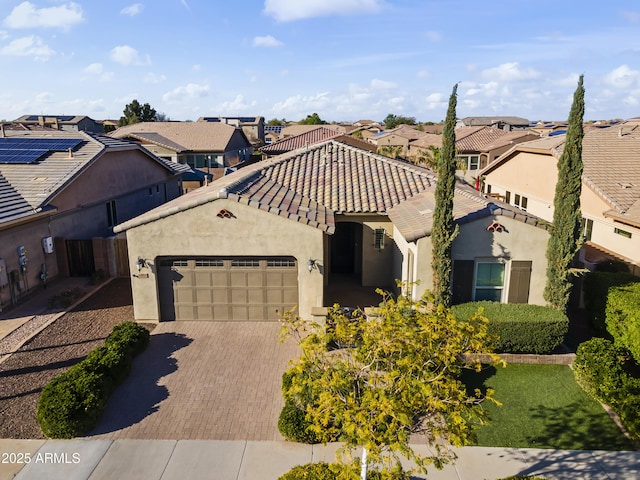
227 288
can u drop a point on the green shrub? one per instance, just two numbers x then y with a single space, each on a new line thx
72 402
293 425
130 336
613 266
518 327
333 471
598 368
623 317
596 291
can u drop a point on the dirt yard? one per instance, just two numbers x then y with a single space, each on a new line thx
56 348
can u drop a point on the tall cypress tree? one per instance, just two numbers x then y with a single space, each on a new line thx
444 230
566 231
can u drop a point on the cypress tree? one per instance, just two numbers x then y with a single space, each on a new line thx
444 230
566 231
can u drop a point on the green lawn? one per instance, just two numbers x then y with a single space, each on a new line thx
543 407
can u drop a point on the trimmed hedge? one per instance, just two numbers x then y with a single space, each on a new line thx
72 403
596 291
623 317
609 374
519 327
293 425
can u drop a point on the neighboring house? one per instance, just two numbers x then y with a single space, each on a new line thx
272 133
318 134
253 127
397 138
61 193
68 123
548 128
503 123
476 147
610 202
285 231
296 129
206 146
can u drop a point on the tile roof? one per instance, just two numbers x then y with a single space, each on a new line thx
297 129
414 219
474 121
427 140
483 139
311 137
405 131
182 136
27 188
311 185
611 158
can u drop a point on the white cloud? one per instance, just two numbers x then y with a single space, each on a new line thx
622 77
510 72
424 74
382 84
632 17
97 69
126 55
31 46
26 15
186 93
236 105
302 105
185 4
132 10
266 41
197 67
433 36
289 10
94 69
154 78
3 35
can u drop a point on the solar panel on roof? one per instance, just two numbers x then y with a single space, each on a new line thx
53 144
21 156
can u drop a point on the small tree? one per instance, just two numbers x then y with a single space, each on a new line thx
393 121
313 119
565 236
134 112
399 375
444 229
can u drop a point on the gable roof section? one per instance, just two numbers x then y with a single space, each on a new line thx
414 218
483 139
310 186
510 120
27 188
404 131
181 136
316 135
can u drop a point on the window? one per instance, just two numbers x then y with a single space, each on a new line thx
624 233
520 202
474 162
249 262
209 262
587 224
507 196
283 263
378 240
112 216
489 281
488 189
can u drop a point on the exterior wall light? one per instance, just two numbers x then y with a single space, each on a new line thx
311 264
141 263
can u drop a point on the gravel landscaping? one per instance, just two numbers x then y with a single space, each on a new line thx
63 343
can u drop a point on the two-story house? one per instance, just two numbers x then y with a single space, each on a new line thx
525 177
61 194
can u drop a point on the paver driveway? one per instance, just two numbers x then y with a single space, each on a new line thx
203 380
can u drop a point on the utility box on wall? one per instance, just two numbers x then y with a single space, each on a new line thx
47 244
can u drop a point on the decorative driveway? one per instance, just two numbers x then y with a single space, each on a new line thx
202 380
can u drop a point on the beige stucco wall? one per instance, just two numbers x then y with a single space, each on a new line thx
519 241
533 175
199 232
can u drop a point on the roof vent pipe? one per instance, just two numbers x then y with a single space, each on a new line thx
70 153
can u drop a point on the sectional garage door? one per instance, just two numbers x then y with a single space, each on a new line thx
227 288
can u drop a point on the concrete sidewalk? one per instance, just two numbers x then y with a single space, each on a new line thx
250 460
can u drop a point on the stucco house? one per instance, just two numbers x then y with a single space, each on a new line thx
284 231
61 194
507 123
69 123
253 127
206 146
526 176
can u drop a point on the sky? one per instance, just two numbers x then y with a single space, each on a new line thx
346 60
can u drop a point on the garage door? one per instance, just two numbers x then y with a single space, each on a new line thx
227 288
